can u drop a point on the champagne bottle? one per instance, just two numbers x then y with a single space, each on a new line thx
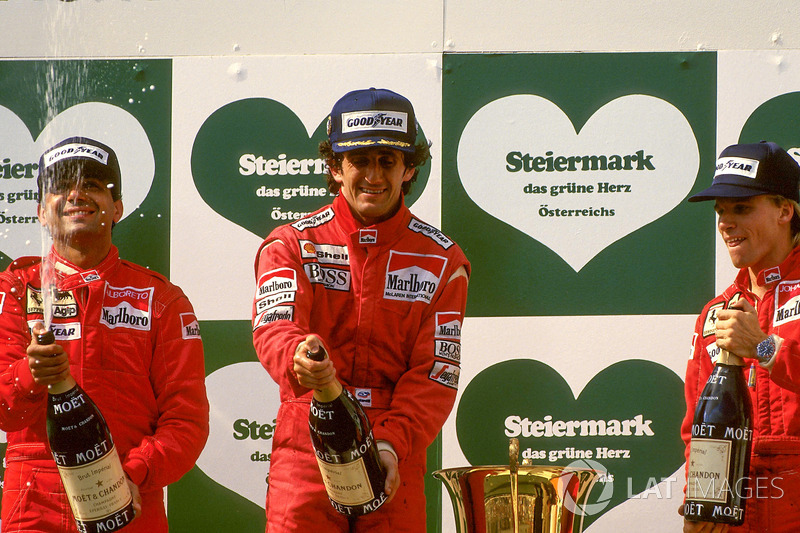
86 457
346 451
722 436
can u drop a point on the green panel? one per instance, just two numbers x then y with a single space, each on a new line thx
197 503
516 275
621 422
776 120
254 164
37 91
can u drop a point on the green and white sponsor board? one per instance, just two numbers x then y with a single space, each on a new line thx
562 176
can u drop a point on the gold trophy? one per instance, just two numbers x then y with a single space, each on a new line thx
518 498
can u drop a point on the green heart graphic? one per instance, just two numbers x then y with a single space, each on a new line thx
775 120
640 404
255 164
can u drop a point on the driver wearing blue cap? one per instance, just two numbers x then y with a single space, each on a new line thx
756 188
384 292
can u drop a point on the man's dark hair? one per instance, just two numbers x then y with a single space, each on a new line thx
422 153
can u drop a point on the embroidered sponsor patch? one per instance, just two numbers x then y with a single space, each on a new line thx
314 220
367 236
63 306
127 307
62 331
90 276
374 120
68 331
741 166
270 301
276 281
713 352
190 327
710 323
787 303
329 254
445 373
447 337
430 231
772 274
68 151
413 277
364 397
281 312
336 279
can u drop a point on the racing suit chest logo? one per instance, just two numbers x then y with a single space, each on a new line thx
413 277
127 307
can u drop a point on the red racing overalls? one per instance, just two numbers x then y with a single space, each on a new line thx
134 346
774 482
388 301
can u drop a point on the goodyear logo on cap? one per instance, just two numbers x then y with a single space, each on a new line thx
740 166
68 151
374 120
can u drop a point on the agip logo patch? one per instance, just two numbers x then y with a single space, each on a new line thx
63 306
413 277
127 307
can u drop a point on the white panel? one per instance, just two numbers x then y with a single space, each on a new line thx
745 80
138 28
577 25
210 251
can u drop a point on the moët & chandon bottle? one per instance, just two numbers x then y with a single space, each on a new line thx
345 449
86 457
722 436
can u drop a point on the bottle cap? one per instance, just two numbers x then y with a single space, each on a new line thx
317 355
46 338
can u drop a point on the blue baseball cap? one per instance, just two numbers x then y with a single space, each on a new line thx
372 117
745 170
79 156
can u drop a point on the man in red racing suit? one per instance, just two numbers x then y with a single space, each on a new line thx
387 299
758 315
133 345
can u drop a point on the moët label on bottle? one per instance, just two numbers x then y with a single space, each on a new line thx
347 483
98 489
709 461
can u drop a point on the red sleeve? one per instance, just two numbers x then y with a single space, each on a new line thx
21 400
785 370
281 310
424 396
177 374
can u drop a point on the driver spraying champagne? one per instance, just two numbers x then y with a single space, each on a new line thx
123 333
